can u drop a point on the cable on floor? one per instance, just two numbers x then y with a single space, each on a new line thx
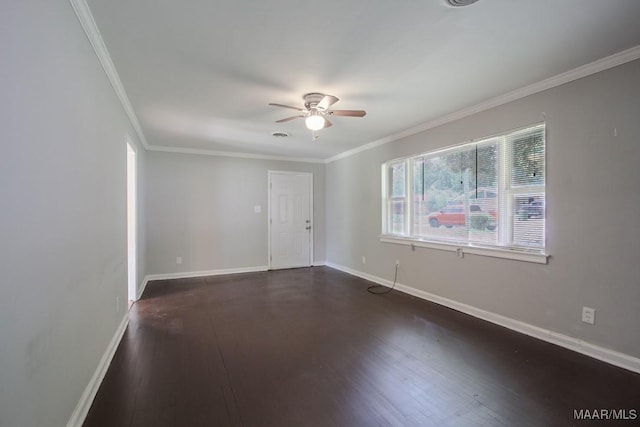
371 289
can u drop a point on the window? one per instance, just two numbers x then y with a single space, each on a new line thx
485 194
396 205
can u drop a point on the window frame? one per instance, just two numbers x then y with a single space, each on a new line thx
506 190
390 199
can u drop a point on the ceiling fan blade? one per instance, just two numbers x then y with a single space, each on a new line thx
326 102
347 113
327 123
288 118
286 106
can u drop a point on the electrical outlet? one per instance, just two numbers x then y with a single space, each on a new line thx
364 259
589 315
398 262
179 260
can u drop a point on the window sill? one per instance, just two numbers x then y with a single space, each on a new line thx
535 256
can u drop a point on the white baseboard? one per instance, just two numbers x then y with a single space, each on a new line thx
142 287
612 357
83 406
190 274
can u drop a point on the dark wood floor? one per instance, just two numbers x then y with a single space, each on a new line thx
310 347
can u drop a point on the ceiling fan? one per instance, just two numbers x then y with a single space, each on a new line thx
316 109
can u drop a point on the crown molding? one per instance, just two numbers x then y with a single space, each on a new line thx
88 23
201 152
83 12
577 73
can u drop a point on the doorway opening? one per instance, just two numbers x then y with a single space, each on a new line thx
131 223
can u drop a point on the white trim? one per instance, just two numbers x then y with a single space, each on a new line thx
83 12
371 145
190 274
202 152
84 404
145 282
269 219
577 73
312 223
132 218
612 357
466 248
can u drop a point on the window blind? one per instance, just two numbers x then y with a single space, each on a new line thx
489 192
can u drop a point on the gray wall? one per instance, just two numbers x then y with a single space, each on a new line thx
593 203
63 230
201 209
62 223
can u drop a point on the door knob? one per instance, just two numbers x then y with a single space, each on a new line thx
308 227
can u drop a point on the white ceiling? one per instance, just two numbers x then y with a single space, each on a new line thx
200 73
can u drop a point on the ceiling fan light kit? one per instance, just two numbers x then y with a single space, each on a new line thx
316 109
315 121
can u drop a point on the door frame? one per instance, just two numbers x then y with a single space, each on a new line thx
132 221
270 173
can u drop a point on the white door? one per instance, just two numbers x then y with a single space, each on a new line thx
290 219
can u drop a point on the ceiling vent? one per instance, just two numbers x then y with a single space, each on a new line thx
280 134
460 3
